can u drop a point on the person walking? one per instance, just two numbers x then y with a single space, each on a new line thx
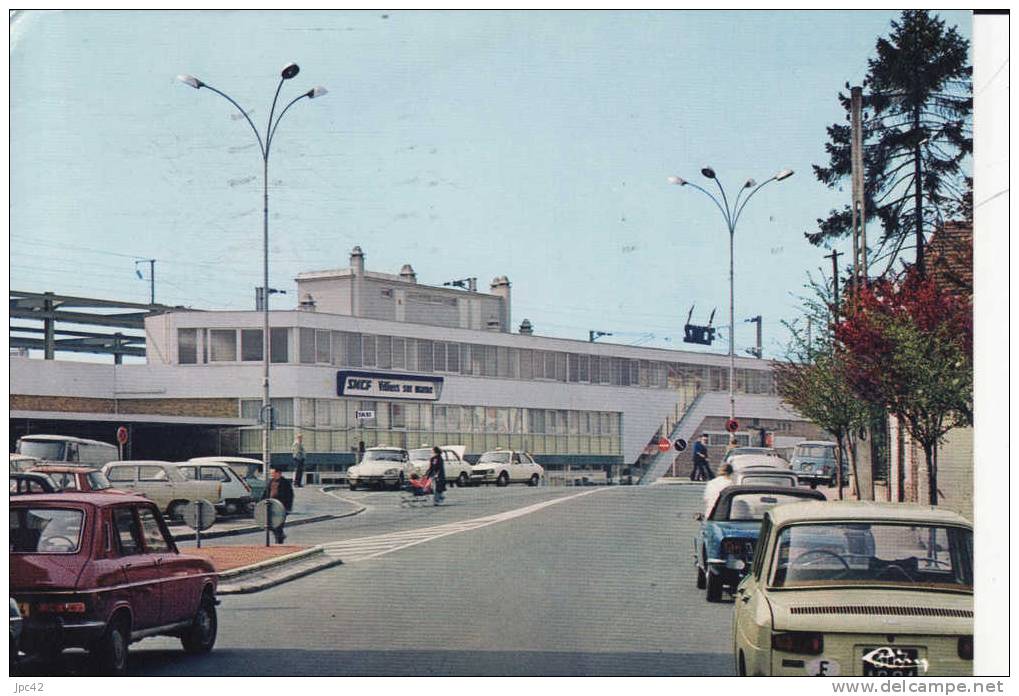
279 489
715 486
297 450
701 468
437 472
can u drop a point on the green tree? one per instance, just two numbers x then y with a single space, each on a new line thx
917 106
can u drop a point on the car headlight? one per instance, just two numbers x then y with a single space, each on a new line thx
391 472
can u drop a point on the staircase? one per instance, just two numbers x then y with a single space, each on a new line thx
705 404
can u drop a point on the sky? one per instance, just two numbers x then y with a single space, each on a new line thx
534 145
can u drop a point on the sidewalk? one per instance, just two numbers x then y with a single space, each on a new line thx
246 569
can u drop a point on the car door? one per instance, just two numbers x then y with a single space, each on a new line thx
516 468
752 614
124 478
155 484
139 568
453 464
178 595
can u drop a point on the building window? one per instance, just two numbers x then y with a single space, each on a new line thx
397 417
352 343
223 345
279 345
573 367
452 357
412 354
251 345
399 361
526 364
503 361
187 346
585 368
490 366
384 352
439 356
307 346
368 350
466 366
322 347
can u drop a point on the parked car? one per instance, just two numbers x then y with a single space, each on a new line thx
75 478
764 476
16 624
25 483
21 462
99 571
251 471
858 589
162 483
503 467
761 451
458 470
63 448
724 544
814 463
743 461
236 497
381 466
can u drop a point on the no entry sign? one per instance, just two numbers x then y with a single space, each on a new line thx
664 445
732 425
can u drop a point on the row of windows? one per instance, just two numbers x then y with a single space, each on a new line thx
348 349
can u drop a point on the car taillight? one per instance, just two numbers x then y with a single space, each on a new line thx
733 547
965 647
801 642
60 607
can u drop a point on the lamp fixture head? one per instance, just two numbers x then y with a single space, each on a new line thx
191 81
708 172
317 92
677 180
750 183
784 174
290 70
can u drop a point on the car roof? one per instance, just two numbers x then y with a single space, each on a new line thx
754 489
65 438
816 442
97 498
63 469
386 447
865 510
225 460
30 474
136 462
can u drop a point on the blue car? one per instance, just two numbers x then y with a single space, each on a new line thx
724 545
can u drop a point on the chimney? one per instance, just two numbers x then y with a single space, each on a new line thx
408 274
307 303
525 328
501 288
357 261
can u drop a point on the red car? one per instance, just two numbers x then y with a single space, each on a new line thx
76 478
100 571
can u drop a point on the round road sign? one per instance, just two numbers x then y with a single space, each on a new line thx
664 445
122 435
270 513
679 444
732 425
199 514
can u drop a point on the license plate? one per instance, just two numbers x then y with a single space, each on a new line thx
890 661
23 608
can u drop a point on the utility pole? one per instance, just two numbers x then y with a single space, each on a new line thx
758 351
856 161
834 256
152 277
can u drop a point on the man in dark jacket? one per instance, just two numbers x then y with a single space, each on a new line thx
701 467
437 472
282 490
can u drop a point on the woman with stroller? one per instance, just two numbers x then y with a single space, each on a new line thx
437 473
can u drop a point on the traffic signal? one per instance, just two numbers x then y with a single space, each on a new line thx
703 335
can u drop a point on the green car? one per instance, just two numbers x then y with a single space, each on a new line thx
251 471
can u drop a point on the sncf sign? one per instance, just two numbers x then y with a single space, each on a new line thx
388 386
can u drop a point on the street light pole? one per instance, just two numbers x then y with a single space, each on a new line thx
264 145
731 213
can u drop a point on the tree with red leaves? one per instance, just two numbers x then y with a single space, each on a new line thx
908 346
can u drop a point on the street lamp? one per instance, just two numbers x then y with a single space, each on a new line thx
264 144
731 215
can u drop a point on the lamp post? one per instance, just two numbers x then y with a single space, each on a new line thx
264 144
731 215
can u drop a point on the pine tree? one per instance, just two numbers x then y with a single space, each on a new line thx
917 103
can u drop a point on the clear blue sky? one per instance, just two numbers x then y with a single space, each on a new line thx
529 144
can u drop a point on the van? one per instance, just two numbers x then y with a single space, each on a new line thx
63 448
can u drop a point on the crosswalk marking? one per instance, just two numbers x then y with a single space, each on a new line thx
366 548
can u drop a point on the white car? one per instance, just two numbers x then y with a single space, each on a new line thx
503 467
381 466
236 494
744 461
458 471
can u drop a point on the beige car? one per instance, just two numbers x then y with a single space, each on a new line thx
857 589
162 483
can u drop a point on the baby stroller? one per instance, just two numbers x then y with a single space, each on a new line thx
420 488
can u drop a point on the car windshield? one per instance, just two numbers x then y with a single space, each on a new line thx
247 470
64 480
764 480
384 456
419 454
98 481
494 458
810 555
45 530
751 506
42 449
816 451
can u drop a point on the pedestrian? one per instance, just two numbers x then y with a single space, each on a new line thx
732 445
715 486
280 489
360 450
297 450
437 472
701 468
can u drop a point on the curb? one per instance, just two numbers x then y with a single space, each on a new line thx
308 561
190 536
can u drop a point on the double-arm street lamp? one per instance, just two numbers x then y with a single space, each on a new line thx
731 215
264 144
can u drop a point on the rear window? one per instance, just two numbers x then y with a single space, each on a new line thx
750 506
786 481
51 450
121 473
98 481
45 530
816 451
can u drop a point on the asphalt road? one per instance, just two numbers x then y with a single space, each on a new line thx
516 581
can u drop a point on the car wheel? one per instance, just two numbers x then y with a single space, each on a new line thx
399 483
533 481
700 578
352 486
175 511
201 635
741 666
109 654
463 480
713 583
503 479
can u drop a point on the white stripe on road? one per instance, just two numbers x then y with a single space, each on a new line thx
365 548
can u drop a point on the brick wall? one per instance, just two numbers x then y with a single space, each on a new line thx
73 404
212 408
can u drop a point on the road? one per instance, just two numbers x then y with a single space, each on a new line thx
515 581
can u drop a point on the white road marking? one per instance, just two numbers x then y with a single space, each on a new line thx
366 548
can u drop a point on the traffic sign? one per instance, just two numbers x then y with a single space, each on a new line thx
199 514
122 435
270 513
664 445
679 444
732 425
